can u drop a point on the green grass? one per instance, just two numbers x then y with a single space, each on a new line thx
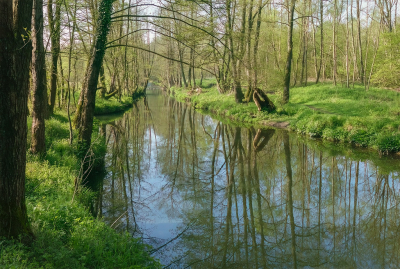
112 105
365 118
67 235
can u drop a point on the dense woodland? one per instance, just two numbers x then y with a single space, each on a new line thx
61 54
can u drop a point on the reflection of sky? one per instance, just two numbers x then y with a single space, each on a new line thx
163 210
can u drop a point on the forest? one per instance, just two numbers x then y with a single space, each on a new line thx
325 69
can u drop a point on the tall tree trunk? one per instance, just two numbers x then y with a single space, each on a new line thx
61 80
235 61
55 33
15 57
334 71
256 42
321 45
182 70
39 81
86 104
359 41
288 67
250 69
347 47
70 16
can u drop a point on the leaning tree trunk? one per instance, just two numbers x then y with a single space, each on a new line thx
54 25
85 109
262 101
288 67
39 87
15 57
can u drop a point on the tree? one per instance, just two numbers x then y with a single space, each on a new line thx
289 56
39 81
15 57
86 104
55 33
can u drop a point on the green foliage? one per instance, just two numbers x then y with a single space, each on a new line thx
389 143
387 72
364 118
67 235
112 105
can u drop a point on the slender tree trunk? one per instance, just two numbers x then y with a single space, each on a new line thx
334 71
289 57
55 33
355 67
182 70
250 68
256 42
70 16
305 21
235 61
190 70
359 42
321 45
347 46
15 57
39 81
315 49
61 80
86 104
193 74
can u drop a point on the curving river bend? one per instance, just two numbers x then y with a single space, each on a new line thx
206 194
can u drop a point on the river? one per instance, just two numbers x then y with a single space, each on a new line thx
207 194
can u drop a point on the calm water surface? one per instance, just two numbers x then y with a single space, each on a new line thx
206 194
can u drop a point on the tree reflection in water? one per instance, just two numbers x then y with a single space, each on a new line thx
207 194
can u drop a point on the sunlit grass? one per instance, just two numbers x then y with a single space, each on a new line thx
112 105
67 235
365 118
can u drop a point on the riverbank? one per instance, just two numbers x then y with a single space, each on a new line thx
67 234
364 118
112 105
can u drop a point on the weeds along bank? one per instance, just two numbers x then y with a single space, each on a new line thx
350 115
67 235
104 106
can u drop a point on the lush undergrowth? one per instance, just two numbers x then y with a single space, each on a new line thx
112 105
365 118
67 235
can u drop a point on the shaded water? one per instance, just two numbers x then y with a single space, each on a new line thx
206 194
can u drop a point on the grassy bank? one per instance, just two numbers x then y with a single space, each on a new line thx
112 105
365 118
67 235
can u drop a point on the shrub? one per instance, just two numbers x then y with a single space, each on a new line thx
388 143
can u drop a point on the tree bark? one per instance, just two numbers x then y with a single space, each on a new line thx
321 45
15 57
288 67
54 25
334 57
39 81
86 104
182 70
236 60
262 101
359 41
